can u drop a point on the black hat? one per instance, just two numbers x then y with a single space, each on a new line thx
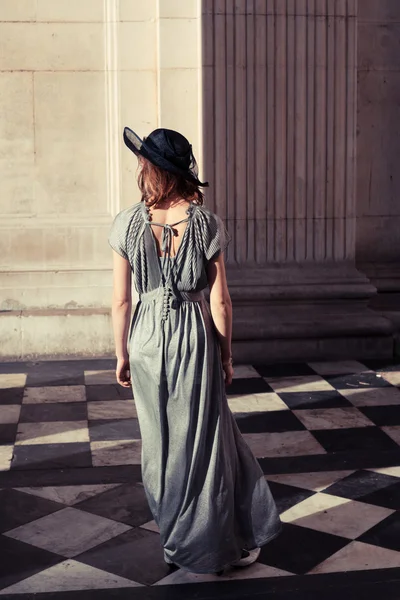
166 149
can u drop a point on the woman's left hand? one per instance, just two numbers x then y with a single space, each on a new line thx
123 372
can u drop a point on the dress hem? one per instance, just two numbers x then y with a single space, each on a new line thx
226 565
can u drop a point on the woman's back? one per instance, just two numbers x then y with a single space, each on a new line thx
138 237
170 212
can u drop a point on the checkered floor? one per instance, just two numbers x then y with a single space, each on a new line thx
102 536
327 436
55 415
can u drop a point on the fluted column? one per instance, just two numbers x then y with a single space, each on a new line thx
279 85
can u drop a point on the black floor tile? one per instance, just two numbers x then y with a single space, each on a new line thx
14 367
20 560
8 433
59 411
286 496
52 456
136 554
386 534
328 399
52 380
382 415
11 395
97 364
273 421
55 373
359 484
357 381
357 438
116 429
73 476
126 503
390 364
388 497
335 461
107 392
18 508
298 549
284 370
250 385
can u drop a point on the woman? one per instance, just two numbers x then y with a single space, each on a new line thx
205 489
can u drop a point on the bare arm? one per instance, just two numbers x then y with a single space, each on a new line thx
121 315
221 311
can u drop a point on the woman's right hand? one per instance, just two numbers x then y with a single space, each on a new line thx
228 370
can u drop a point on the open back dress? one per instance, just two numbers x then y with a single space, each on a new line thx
205 489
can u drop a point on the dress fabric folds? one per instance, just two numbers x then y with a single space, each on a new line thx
205 489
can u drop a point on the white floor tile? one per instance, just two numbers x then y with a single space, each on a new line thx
393 431
392 377
244 371
52 394
9 413
332 418
255 571
342 367
306 383
338 516
289 443
12 380
116 452
68 532
392 471
52 432
68 576
372 396
100 377
117 409
69 494
6 453
358 556
250 403
310 481
151 526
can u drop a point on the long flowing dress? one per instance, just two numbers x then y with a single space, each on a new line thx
205 488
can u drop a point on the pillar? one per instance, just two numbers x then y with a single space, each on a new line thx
279 103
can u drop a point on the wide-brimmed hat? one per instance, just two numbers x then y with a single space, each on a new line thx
167 149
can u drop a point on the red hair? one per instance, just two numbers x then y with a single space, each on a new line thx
158 184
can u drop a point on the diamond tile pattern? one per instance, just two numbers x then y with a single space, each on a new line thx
73 413
112 532
58 538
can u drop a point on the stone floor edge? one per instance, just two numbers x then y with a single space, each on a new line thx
363 585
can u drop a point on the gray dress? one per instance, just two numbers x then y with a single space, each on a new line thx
205 489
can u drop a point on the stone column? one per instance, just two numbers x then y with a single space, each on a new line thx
280 151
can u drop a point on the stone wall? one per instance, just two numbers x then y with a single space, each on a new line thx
266 91
378 183
72 74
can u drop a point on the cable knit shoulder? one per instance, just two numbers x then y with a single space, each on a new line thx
124 231
212 235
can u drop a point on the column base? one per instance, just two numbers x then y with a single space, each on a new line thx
281 313
301 312
312 349
386 278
